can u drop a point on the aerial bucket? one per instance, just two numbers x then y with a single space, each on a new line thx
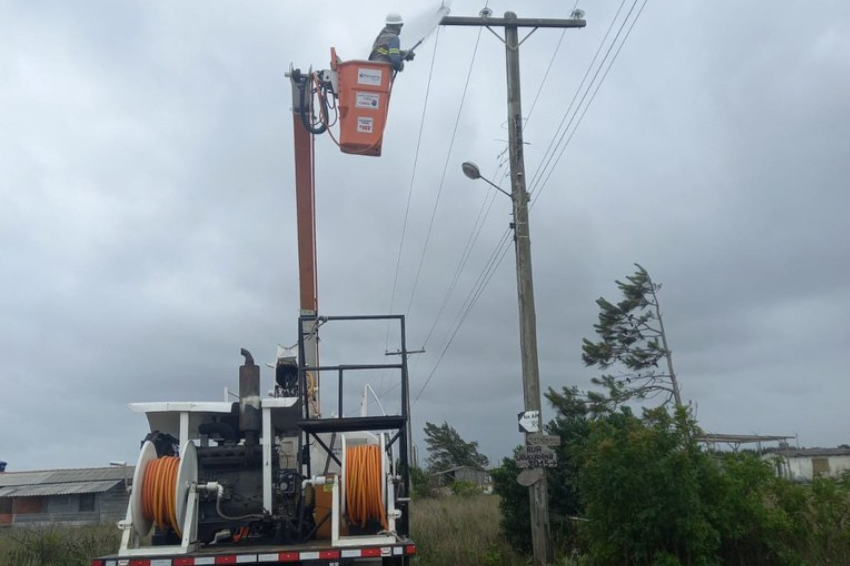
364 98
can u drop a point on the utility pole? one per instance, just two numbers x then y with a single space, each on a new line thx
410 418
538 497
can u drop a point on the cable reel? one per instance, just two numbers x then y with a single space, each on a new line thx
160 489
364 485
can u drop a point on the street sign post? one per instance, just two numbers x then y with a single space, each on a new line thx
536 457
529 421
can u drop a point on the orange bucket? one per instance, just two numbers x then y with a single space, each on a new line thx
364 98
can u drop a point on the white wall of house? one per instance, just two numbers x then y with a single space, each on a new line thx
802 468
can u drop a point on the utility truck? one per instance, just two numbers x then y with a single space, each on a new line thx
268 478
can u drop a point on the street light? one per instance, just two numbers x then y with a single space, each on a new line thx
471 170
538 492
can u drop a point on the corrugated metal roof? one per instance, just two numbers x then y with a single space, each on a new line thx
58 488
811 452
42 477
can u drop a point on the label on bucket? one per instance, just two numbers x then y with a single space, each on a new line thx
365 125
367 100
369 76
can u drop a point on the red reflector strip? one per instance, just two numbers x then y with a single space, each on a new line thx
329 554
184 562
410 549
97 563
138 562
225 559
370 552
288 557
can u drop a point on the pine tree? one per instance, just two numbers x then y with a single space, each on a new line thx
446 449
633 339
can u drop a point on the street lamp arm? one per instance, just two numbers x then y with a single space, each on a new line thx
497 187
472 171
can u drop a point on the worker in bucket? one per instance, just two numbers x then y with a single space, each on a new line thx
387 45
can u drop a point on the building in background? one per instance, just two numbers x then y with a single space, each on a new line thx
805 464
479 477
89 496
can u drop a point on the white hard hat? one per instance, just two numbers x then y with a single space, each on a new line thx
394 19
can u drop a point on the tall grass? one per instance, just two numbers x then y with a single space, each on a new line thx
460 531
452 530
56 546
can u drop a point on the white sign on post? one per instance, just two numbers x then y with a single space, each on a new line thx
536 457
529 421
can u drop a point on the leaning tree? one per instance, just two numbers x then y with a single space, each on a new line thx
632 341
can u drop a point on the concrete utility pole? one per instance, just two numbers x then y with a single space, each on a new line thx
525 286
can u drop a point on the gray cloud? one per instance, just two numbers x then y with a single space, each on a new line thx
147 215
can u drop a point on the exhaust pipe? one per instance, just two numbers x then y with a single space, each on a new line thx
250 417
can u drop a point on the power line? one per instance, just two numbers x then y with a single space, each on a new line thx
496 260
596 90
502 248
491 266
412 181
483 213
546 74
443 178
546 159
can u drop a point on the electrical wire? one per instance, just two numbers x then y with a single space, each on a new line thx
501 248
593 96
547 157
483 213
481 283
492 264
412 182
546 74
445 170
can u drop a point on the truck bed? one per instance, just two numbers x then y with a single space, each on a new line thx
310 554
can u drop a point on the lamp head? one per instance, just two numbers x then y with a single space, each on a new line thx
471 170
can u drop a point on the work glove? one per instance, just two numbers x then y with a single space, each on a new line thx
409 55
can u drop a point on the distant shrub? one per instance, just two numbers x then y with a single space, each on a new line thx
421 484
465 488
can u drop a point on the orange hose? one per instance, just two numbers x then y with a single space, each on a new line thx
158 493
363 497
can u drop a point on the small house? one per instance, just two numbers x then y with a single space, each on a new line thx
90 496
805 464
479 477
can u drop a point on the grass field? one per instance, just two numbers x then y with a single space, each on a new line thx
453 531
56 546
460 531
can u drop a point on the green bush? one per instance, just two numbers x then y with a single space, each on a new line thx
648 494
465 488
573 428
421 484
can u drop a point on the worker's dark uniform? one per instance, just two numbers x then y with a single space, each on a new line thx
387 48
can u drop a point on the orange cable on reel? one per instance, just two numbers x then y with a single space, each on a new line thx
159 493
363 497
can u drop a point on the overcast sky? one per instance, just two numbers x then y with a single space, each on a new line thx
147 226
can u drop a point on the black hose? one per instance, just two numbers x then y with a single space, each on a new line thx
302 87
